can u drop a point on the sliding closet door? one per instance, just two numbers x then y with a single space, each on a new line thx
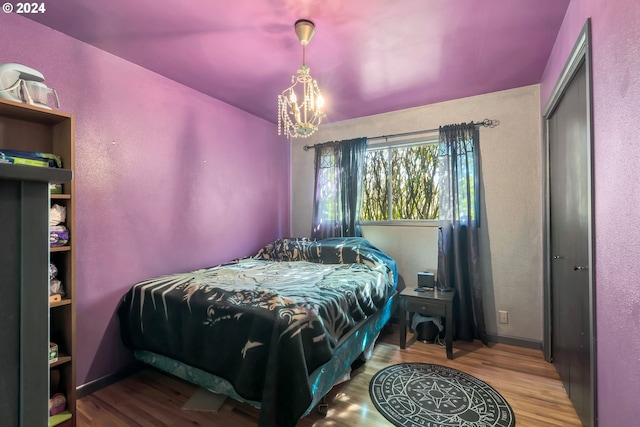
569 166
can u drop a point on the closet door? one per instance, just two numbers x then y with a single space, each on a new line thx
569 174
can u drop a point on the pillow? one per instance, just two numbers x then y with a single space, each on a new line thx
287 249
334 250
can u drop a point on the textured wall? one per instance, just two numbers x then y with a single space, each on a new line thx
616 109
167 179
511 233
401 242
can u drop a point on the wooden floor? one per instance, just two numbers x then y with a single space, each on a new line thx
530 385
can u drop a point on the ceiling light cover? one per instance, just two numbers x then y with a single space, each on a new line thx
299 114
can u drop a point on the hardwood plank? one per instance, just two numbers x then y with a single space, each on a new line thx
530 385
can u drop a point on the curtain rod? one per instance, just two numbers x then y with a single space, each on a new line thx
488 123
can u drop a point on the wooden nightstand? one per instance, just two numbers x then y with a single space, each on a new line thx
428 303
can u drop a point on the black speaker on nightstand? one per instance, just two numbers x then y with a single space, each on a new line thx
426 280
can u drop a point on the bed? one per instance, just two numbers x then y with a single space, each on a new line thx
276 330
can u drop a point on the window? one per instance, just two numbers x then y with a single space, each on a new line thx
401 181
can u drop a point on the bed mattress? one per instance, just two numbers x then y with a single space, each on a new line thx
264 323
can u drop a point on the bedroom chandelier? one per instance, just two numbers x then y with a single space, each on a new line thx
300 115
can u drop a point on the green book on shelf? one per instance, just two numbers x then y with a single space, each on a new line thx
31 158
21 161
56 419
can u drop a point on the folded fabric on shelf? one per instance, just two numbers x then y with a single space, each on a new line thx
58 236
57 215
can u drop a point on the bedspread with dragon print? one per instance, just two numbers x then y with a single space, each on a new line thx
265 322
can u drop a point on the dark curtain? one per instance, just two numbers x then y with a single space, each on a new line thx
339 168
458 255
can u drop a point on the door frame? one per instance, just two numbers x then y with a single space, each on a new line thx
581 54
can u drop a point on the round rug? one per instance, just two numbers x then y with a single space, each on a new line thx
422 394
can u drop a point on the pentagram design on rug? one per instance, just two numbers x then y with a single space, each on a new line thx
422 394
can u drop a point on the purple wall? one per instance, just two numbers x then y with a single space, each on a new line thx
616 116
167 179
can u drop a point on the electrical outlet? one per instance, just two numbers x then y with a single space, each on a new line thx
503 316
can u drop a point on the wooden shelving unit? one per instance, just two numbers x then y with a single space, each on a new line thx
27 128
